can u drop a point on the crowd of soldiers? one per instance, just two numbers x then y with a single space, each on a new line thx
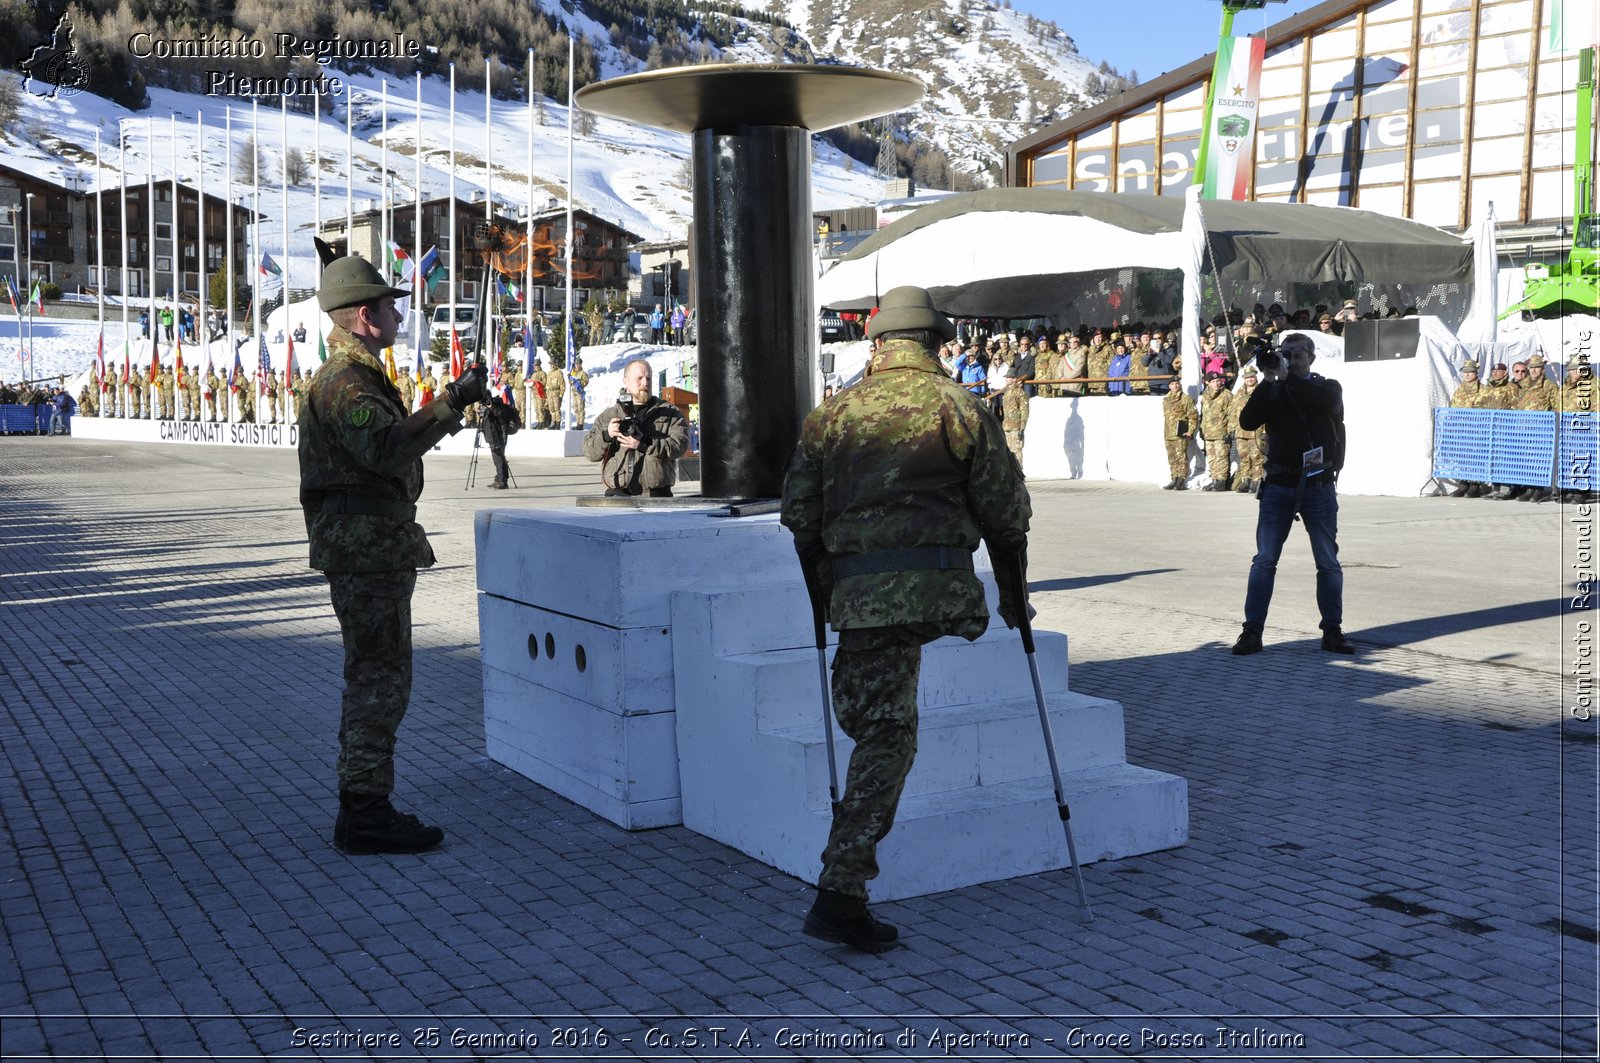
1522 386
185 394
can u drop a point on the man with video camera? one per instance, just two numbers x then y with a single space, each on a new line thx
1303 414
639 440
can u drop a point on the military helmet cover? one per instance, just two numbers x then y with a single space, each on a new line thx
909 308
351 281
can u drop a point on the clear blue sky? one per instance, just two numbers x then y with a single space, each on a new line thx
1152 36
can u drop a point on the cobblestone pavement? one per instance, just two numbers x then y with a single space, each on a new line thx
1391 856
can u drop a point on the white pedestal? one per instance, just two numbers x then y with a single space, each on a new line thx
659 667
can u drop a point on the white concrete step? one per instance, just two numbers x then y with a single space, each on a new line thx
969 745
985 833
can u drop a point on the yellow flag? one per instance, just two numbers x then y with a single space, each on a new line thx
389 367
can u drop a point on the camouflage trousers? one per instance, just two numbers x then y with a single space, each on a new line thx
1014 405
1252 457
1219 453
1178 458
875 675
577 409
374 611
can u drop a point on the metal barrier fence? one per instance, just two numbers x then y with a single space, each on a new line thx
17 419
1519 447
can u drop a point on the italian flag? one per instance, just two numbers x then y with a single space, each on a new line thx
1231 138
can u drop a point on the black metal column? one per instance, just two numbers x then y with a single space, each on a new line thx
752 242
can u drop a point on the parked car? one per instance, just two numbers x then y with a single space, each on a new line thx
836 329
464 318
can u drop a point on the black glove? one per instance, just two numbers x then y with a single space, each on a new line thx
818 569
470 387
1011 579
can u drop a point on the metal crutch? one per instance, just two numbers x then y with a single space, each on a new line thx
819 622
1013 572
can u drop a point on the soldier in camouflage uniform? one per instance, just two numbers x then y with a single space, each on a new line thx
580 388
136 383
1216 427
111 393
534 386
1252 443
1014 399
247 399
1540 392
408 388
169 398
892 485
214 386
555 388
86 400
273 407
1468 395
360 476
1578 395
191 393
1099 362
1178 422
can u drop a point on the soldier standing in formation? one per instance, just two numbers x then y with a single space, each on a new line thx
892 486
247 400
580 387
407 386
169 396
192 395
555 388
427 387
109 388
1014 400
360 477
274 404
1099 361
1178 421
535 398
1216 428
213 389
1252 442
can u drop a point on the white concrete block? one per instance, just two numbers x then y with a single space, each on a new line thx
624 767
620 567
623 670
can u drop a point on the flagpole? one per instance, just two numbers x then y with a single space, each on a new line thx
201 328
228 263
451 300
349 173
99 242
419 288
383 174
572 104
527 287
316 183
150 198
177 249
122 236
259 249
486 337
283 132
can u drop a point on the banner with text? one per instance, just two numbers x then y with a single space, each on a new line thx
1235 93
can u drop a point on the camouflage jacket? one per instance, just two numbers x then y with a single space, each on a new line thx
1579 397
555 385
361 450
1540 395
1467 396
408 390
1217 415
1241 397
1502 396
1176 408
906 458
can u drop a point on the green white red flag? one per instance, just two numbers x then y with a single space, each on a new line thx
1235 95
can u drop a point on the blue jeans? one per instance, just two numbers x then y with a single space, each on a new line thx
1319 508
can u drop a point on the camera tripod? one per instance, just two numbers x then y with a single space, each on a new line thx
472 466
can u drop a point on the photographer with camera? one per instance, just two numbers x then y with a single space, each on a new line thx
360 476
500 421
639 440
1303 414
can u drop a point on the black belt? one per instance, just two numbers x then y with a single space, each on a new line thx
912 558
362 506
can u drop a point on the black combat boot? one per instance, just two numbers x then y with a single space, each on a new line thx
1171 484
839 917
1249 641
1333 641
1181 485
368 823
1243 486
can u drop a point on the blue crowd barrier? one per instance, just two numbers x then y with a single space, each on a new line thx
1525 448
17 419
